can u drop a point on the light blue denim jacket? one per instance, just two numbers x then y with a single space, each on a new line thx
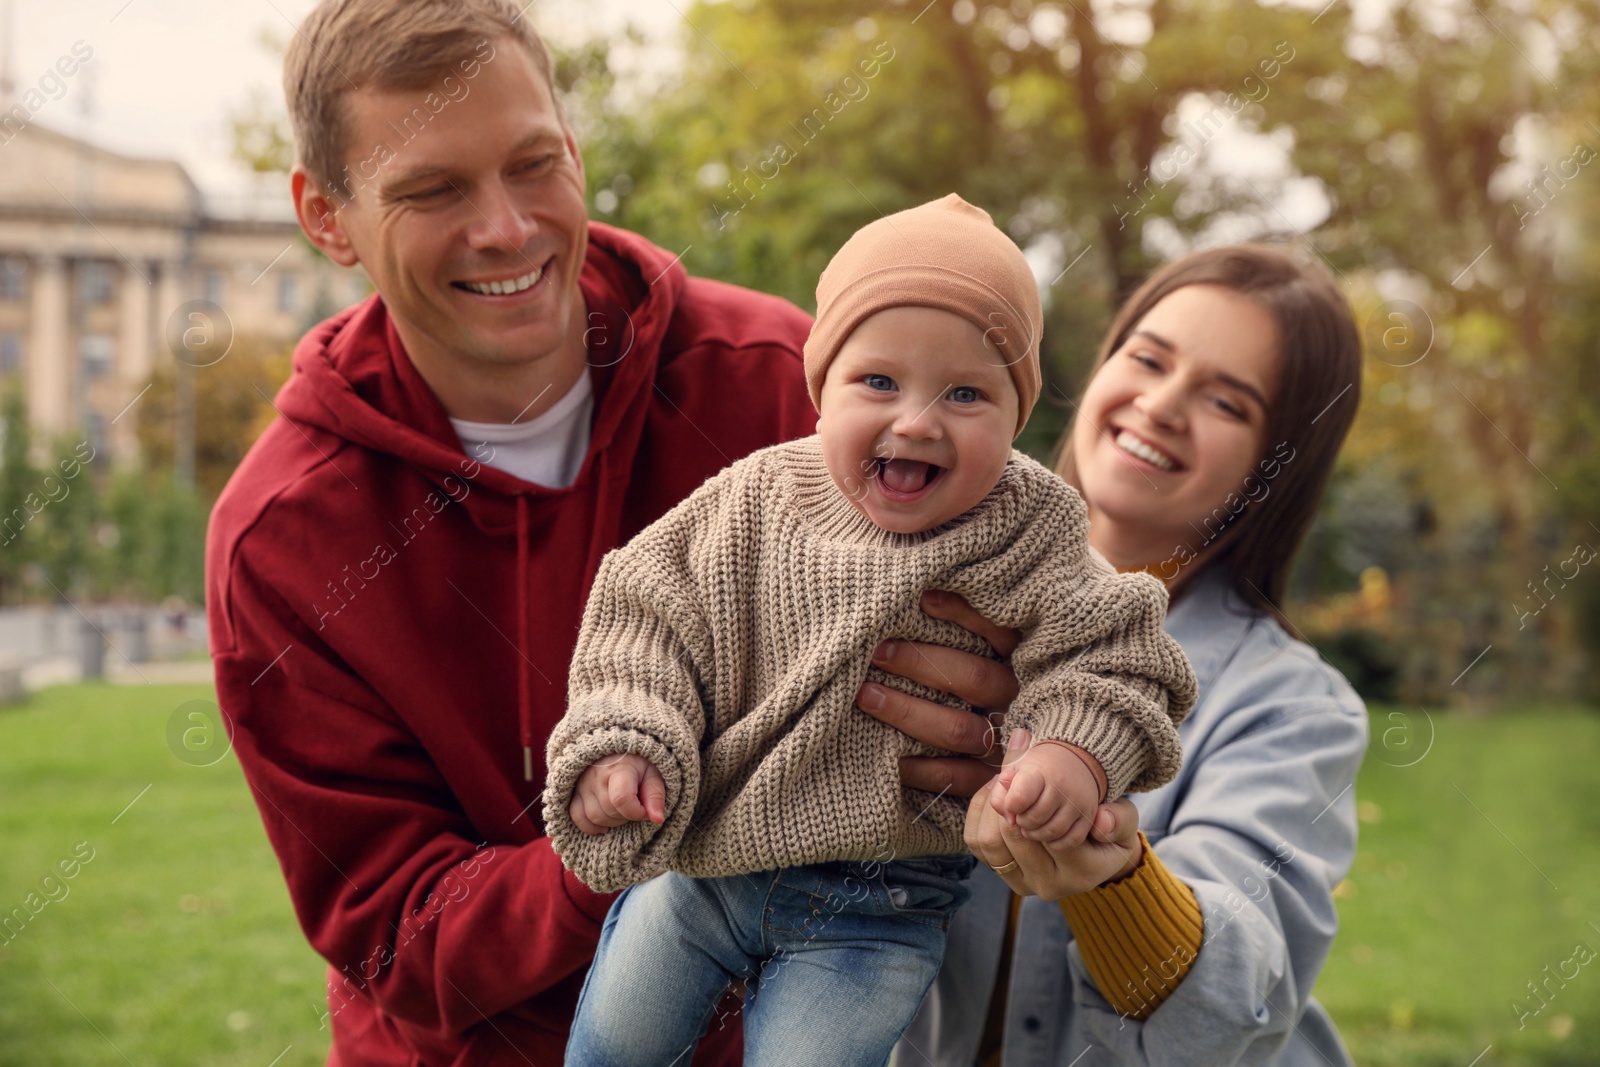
1260 823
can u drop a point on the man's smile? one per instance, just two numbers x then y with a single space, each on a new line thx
507 286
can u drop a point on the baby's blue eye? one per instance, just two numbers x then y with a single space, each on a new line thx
879 382
964 394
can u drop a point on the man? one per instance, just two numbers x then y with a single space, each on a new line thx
396 572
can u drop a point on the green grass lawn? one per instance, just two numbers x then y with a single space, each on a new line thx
1479 865
175 944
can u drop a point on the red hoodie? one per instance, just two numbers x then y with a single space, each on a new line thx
391 622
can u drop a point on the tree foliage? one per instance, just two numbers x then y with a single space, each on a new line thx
232 403
1108 137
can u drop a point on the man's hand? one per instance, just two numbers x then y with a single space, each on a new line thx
1051 793
984 683
618 789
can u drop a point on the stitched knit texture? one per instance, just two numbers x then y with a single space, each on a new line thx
1139 936
726 642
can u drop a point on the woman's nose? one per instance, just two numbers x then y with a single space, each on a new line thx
1162 404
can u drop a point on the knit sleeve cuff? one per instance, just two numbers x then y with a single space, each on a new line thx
1138 936
625 854
1088 718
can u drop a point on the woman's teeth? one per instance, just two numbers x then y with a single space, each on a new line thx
511 285
1133 446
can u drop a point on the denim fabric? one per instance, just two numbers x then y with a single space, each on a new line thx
835 957
1260 823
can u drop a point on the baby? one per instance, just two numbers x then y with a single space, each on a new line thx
712 761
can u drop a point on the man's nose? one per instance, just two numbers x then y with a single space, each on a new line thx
501 224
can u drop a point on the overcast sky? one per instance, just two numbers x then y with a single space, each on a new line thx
166 74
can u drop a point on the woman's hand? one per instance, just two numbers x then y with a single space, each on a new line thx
984 683
1057 870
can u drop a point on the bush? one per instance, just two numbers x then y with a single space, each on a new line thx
1367 659
76 529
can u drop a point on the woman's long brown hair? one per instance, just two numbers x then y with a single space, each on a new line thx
1318 392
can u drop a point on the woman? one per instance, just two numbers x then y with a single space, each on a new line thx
1201 916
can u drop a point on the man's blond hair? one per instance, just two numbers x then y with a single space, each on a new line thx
386 45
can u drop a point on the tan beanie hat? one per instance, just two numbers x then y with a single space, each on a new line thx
945 254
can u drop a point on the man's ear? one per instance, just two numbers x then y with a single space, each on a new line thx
319 218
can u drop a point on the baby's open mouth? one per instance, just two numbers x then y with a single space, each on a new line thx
906 477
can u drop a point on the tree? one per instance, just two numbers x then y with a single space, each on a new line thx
18 478
1100 133
233 404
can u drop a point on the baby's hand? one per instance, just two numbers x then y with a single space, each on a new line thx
1050 793
619 788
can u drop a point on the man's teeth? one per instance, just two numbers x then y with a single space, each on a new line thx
1132 445
513 285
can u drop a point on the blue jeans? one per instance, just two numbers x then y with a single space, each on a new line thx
835 957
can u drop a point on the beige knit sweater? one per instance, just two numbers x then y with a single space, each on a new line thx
726 642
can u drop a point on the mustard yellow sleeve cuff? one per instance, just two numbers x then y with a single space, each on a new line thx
1138 936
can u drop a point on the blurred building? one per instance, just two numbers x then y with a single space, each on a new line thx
98 251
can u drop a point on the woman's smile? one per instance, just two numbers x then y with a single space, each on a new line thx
1144 449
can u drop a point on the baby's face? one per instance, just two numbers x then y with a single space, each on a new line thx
917 416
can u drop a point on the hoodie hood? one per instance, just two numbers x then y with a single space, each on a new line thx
353 379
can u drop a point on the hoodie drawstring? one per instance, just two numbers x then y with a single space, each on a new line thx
524 678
